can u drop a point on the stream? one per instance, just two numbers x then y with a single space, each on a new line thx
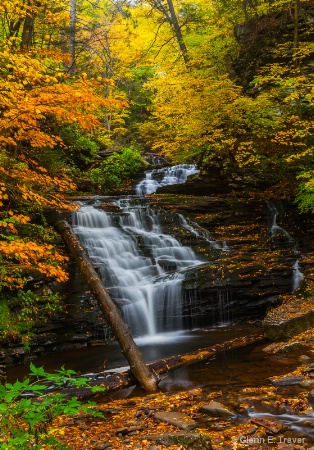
143 265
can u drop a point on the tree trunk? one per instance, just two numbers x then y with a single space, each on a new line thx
296 56
72 35
112 314
115 381
177 31
14 27
28 30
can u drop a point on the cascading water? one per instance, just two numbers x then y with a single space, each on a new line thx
142 267
202 233
279 236
297 276
165 176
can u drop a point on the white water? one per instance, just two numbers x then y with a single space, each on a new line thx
142 267
297 276
293 421
278 232
165 176
200 232
275 229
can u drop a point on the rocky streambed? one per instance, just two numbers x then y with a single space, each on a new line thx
251 242
217 414
260 271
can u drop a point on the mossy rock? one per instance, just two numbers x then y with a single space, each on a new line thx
190 441
287 324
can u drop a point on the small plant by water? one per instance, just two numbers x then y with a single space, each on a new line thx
27 408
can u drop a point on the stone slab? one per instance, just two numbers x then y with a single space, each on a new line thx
216 409
177 419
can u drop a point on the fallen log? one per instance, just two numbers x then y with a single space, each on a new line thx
144 375
116 381
175 362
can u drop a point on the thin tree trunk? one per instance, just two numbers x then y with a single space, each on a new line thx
139 369
72 35
14 27
296 35
177 31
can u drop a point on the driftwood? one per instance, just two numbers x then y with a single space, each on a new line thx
145 376
115 381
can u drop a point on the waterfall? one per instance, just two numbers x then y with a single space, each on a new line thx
202 233
278 235
140 265
281 238
297 276
165 176
223 297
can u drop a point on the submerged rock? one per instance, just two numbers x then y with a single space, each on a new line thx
177 419
272 425
216 409
191 441
287 380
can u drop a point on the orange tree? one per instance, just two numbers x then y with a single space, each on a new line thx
38 99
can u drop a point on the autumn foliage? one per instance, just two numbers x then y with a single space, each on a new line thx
38 100
79 77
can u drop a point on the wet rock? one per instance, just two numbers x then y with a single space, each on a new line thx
309 369
18 351
103 446
304 358
311 396
216 409
52 216
284 347
74 346
110 207
191 441
145 412
110 410
284 446
194 393
78 337
129 430
167 265
307 383
45 339
97 343
288 380
177 419
291 318
272 425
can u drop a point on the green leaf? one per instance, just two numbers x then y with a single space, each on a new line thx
39 371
